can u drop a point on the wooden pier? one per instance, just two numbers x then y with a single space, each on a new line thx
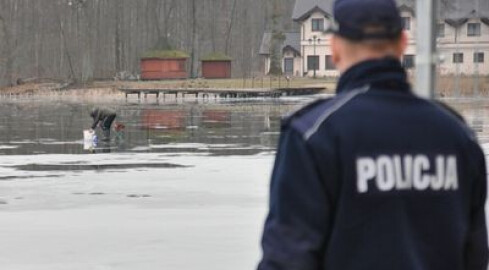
222 92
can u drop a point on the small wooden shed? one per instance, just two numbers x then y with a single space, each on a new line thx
216 66
164 64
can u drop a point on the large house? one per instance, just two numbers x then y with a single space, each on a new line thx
463 39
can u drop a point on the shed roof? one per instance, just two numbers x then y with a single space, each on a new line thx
217 56
292 40
165 54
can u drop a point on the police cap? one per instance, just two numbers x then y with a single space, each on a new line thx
359 20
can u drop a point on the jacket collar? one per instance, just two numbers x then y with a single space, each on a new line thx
379 74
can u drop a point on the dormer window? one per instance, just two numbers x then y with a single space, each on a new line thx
406 23
317 25
474 29
440 30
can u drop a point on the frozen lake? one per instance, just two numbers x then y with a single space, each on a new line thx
186 188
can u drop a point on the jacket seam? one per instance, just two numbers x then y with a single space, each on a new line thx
334 108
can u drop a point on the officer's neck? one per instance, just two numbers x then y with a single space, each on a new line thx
379 73
354 59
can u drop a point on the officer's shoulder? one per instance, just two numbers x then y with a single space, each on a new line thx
456 118
306 115
450 111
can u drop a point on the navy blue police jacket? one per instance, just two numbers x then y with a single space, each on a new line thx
376 178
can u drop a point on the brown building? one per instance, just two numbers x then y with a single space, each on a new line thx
159 65
216 66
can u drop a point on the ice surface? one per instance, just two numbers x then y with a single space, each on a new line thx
207 216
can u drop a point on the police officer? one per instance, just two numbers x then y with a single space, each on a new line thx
375 178
103 118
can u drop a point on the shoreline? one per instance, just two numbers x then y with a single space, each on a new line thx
111 87
109 90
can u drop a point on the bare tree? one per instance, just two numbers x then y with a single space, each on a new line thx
87 39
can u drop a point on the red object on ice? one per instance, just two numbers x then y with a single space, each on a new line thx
119 127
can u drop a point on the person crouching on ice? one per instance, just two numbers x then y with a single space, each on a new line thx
103 118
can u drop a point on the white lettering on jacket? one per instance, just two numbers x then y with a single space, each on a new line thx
407 172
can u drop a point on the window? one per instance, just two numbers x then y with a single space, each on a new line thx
406 23
317 25
458 57
313 62
478 57
408 61
441 30
473 29
329 63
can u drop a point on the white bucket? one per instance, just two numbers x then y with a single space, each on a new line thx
89 139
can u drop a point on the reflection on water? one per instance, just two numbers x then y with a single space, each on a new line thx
37 127
241 128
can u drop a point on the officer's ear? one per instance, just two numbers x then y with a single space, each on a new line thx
402 44
335 50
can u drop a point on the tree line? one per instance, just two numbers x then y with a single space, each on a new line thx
85 40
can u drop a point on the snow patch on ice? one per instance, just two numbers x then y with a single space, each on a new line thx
4 147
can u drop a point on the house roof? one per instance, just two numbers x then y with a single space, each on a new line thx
464 9
266 44
291 41
408 8
456 12
304 8
453 10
